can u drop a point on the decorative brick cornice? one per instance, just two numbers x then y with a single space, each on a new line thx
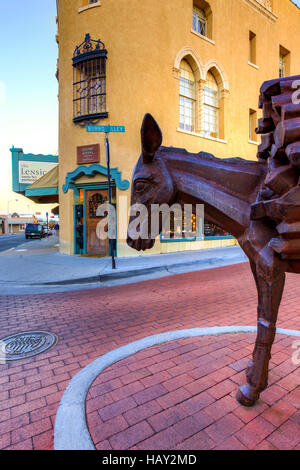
264 8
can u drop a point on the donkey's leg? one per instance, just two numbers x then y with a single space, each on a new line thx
253 269
269 297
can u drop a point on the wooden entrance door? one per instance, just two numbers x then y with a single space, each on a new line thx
94 245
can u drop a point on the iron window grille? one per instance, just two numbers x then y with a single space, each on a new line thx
89 81
95 201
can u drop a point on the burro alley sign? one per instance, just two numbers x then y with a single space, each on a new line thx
29 171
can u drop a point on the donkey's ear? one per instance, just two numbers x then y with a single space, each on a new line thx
151 138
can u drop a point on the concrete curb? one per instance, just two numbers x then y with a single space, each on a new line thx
70 430
206 264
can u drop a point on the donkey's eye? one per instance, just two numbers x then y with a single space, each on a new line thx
140 185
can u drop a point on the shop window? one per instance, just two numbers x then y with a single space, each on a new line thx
252 47
177 230
252 125
211 107
284 62
89 81
94 202
213 231
187 97
202 18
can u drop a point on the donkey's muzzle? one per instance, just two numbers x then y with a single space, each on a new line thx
140 244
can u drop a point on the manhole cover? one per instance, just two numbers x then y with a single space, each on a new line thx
28 344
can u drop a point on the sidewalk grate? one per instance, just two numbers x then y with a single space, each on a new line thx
26 344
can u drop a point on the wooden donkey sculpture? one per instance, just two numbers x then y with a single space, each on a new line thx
258 202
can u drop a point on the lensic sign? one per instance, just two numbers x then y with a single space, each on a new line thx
105 129
30 171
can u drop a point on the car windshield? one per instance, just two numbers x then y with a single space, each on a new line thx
33 228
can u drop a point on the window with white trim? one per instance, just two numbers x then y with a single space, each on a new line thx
211 107
202 19
187 97
199 21
252 47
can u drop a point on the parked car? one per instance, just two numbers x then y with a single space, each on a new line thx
34 231
48 232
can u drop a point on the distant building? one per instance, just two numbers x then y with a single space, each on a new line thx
196 66
18 224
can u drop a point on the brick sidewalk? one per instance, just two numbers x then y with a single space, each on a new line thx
181 395
92 322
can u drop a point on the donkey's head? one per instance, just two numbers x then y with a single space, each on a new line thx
151 184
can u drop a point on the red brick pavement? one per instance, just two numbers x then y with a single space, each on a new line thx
132 406
176 399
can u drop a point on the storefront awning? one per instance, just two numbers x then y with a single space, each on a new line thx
45 189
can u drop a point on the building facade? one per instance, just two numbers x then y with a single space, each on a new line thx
195 65
18 224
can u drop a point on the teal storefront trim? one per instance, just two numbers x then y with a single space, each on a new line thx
92 170
195 239
17 156
172 240
89 186
85 188
41 192
225 237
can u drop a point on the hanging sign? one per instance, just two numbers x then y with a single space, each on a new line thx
88 154
30 171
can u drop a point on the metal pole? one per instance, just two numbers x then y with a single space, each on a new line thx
8 216
111 242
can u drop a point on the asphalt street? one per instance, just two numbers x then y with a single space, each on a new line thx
11 241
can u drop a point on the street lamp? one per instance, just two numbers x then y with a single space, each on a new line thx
10 200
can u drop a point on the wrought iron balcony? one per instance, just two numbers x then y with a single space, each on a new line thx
89 81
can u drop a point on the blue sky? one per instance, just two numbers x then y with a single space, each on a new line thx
28 87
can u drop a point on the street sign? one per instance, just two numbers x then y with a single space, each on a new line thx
105 129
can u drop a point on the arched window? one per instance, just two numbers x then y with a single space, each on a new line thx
187 97
211 107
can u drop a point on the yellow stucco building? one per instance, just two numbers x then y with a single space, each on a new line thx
196 66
